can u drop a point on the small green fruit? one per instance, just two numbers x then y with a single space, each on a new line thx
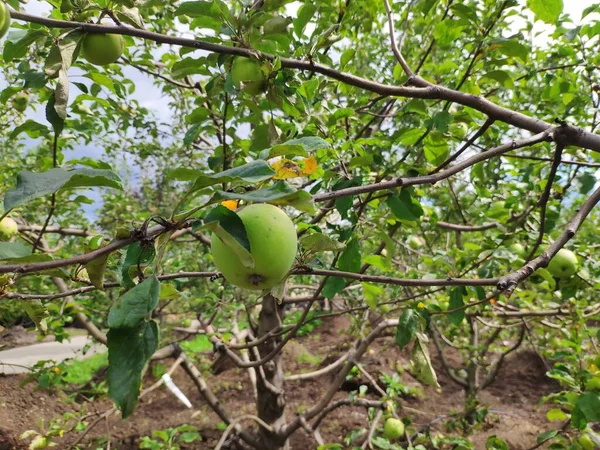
586 442
564 264
20 101
273 245
4 19
393 429
103 49
459 130
8 228
518 250
246 72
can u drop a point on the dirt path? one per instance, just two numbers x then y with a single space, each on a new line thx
17 360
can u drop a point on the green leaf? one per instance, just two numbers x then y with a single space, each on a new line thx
546 435
407 328
295 147
405 207
35 185
57 122
192 134
253 172
315 243
135 305
10 250
333 285
228 226
60 59
495 443
32 128
421 362
436 148
37 313
556 414
305 13
168 292
129 350
589 404
131 16
441 120
192 66
137 255
343 204
350 258
19 42
513 48
198 9
546 10
456 301
95 269
378 261
373 294
280 193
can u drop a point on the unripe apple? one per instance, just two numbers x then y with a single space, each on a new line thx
246 73
20 101
518 250
8 228
564 264
393 429
273 246
586 442
103 49
4 19
459 130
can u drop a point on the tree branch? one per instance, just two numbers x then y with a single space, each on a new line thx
508 283
434 178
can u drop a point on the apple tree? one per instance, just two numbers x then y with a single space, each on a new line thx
437 158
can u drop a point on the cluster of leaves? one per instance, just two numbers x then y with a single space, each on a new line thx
304 135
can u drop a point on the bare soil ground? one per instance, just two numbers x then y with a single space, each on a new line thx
514 398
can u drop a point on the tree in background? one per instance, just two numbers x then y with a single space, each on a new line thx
433 159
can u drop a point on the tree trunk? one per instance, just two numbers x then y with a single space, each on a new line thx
471 401
269 383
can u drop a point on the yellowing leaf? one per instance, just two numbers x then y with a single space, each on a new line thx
286 168
310 165
230 204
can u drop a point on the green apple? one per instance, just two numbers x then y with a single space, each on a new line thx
20 101
4 19
459 130
8 228
103 49
518 250
273 246
586 442
247 74
564 264
393 429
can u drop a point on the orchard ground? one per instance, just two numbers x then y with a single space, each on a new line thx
512 399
